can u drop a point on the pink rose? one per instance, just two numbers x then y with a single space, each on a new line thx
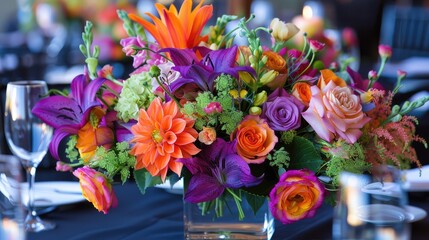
96 188
335 112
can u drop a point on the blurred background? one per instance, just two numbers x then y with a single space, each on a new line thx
39 39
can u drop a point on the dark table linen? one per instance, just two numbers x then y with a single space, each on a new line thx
159 215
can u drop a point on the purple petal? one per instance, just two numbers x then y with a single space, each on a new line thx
237 173
59 135
223 59
196 165
58 111
90 93
181 57
78 87
203 188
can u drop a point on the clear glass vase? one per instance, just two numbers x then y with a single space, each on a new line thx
228 226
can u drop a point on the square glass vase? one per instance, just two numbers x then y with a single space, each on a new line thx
228 226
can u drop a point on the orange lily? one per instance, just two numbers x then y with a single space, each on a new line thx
177 29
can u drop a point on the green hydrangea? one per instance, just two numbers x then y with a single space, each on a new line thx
136 94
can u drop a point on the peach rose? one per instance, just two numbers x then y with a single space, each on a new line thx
302 91
335 112
96 188
207 135
255 139
297 195
328 76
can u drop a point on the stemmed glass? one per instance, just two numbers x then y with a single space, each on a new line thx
28 138
372 206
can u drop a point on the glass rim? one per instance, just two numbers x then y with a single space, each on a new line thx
27 83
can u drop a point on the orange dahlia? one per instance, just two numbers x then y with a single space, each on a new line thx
177 29
161 136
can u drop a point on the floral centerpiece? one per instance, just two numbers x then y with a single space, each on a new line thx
244 122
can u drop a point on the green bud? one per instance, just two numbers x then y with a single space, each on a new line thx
268 77
260 98
255 111
92 65
154 71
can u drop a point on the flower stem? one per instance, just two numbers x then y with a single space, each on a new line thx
237 201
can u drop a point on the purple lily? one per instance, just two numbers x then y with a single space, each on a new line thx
216 168
204 72
69 114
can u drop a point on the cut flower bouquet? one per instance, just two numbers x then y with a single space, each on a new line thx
244 122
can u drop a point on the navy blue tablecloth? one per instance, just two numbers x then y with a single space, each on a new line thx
159 215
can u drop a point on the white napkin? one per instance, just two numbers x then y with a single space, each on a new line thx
416 182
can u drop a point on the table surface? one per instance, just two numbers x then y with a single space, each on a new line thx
159 215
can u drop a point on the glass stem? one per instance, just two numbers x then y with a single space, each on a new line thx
31 177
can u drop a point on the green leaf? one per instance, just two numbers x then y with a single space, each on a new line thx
145 180
303 154
255 201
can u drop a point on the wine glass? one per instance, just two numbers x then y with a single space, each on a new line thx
11 209
28 138
372 206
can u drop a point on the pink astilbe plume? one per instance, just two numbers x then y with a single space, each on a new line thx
390 141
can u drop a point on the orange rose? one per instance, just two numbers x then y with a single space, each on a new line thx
296 196
326 76
255 139
275 62
302 91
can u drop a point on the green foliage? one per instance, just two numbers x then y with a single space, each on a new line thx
303 154
224 83
145 180
230 120
280 158
115 161
288 136
351 158
71 152
255 201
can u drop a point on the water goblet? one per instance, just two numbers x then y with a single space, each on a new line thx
28 138
11 209
371 206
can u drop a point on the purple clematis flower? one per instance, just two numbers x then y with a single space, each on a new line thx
69 114
204 72
216 168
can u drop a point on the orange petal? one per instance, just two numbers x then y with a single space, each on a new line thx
177 152
178 125
184 138
163 173
202 16
175 166
189 150
185 16
167 123
155 111
175 29
146 25
160 8
139 163
170 108
162 161
164 36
